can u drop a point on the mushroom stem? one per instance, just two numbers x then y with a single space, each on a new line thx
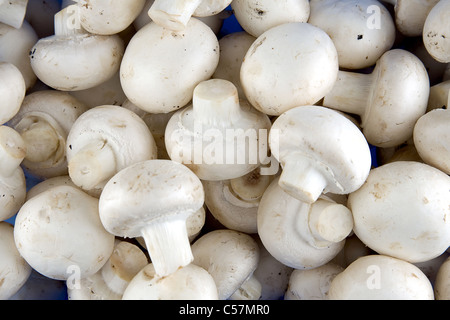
42 141
251 289
168 245
350 93
173 14
12 13
12 151
93 164
251 186
302 179
67 21
216 102
329 221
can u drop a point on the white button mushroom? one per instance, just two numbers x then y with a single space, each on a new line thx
229 256
153 199
312 284
44 121
108 17
256 17
403 211
389 100
110 282
104 140
12 177
190 282
73 59
14 270
378 277
320 151
298 234
59 233
436 32
359 42
175 14
410 15
218 137
442 282
161 68
13 12
432 138
12 91
15 45
234 203
290 65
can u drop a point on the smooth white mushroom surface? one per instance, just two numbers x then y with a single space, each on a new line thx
436 32
12 91
14 270
290 65
402 211
379 277
59 233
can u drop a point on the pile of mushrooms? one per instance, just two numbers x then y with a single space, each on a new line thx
225 150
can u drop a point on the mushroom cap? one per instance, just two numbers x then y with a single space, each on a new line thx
312 284
15 44
402 211
78 61
332 142
256 17
399 97
436 32
13 190
432 138
229 256
108 17
14 270
60 229
410 15
346 22
12 91
147 191
442 282
290 65
379 277
190 282
124 131
161 68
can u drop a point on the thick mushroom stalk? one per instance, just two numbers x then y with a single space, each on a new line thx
389 100
320 151
153 199
219 137
175 14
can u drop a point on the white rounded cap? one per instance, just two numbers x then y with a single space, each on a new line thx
161 68
402 211
360 37
12 91
188 283
14 270
442 282
436 32
320 151
378 277
59 223
432 138
290 65
229 256
256 17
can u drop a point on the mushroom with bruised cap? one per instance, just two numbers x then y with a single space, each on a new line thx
153 199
